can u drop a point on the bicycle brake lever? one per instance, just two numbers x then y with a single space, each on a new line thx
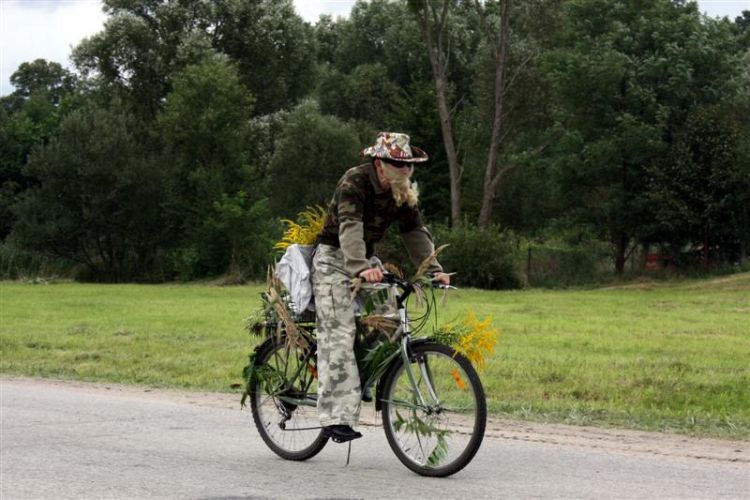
445 287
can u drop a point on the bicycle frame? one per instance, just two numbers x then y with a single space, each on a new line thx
403 332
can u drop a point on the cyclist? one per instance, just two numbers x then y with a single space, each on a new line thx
367 200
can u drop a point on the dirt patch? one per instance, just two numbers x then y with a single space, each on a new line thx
606 440
623 440
733 282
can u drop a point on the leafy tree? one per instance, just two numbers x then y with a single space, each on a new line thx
264 133
413 110
700 194
511 98
361 38
145 43
41 76
434 20
498 115
247 226
327 34
205 126
742 23
98 198
366 93
627 76
29 117
272 46
127 59
312 152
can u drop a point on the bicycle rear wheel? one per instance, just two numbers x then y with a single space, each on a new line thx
440 433
282 400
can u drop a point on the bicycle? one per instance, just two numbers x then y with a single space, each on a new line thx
432 402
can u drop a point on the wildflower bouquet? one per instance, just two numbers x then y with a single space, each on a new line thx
473 338
305 230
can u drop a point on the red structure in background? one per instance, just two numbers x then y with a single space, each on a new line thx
655 261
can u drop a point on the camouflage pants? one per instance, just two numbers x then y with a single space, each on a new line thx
339 391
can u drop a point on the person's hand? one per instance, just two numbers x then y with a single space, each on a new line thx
373 275
442 278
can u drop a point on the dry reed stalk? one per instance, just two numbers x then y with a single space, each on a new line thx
380 323
355 288
394 270
425 265
276 298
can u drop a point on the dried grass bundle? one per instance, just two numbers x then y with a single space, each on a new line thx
355 288
275 292
394 270
382 324
425 265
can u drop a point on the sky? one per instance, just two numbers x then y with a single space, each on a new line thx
49 29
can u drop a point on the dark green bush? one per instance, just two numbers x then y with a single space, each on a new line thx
391 250
561 264
16 263
482 258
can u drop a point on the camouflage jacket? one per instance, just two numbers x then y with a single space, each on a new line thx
359 214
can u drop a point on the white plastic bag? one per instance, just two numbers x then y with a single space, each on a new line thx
294 271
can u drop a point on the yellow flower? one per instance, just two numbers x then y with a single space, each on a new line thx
457 377
305 231
473 338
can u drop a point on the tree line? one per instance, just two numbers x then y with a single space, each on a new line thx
189 128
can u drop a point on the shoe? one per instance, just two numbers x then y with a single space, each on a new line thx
367 394
340 433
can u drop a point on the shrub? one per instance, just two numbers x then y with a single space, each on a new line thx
391 250
16 263
552 264
482 258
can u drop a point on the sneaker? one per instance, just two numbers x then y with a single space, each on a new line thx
340 433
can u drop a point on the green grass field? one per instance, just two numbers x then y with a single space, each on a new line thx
658 356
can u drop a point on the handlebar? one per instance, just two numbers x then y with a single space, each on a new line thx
407 286
392 279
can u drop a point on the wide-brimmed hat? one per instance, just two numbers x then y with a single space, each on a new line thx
395 146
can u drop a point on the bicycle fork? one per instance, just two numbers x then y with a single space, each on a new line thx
423 368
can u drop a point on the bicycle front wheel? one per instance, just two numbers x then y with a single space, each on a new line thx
282 399
434 411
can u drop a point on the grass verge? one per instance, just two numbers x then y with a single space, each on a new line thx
654 356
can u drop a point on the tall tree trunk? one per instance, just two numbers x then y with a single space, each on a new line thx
621 245
433 27
706 254
450 150
492 176
234 261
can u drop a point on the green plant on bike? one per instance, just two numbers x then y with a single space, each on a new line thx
431 398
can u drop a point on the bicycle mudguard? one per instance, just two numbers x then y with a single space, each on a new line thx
387 373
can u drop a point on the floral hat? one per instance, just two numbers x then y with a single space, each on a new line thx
395 146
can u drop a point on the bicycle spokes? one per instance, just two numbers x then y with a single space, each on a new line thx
284 402
433 410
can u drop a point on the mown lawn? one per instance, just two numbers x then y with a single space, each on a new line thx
660 356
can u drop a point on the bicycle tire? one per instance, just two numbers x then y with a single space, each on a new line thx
287 443
454 380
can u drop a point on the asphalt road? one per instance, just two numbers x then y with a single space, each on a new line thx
61 441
